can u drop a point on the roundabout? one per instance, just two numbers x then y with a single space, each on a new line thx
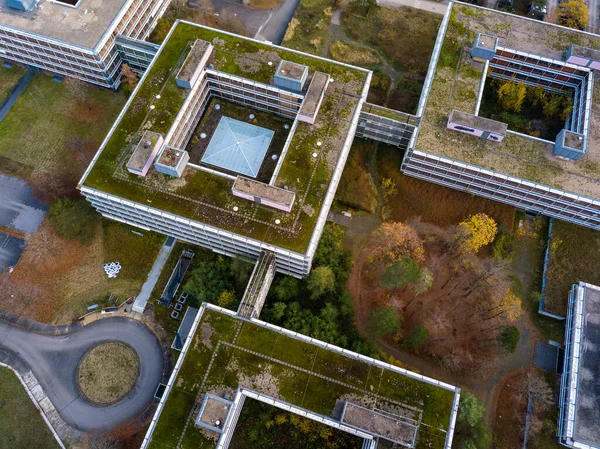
107 373
108 398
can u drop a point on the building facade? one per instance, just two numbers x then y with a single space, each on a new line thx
80 41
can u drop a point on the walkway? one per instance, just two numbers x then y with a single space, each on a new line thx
163 255
425 5
53 361
16 92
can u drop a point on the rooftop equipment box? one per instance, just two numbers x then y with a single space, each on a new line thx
570 145
476 126
484 47
290 76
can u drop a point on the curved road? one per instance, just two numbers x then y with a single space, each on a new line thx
54 360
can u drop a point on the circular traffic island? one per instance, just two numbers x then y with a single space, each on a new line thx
107 372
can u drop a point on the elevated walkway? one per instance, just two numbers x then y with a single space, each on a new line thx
135 53
386 125
258 286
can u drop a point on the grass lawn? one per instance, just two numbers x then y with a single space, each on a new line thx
353 54
394 30
107 372
257 359
356 178
435 204
57 279
50 131
574 257
21 425
8 78
309 27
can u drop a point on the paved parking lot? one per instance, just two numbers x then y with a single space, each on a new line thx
19 209
11 249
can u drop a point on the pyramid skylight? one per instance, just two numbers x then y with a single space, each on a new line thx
238 147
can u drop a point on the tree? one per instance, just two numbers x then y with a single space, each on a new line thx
573 14
226 298
287 289
417 337
509 338
208 281
130 78
384 321
277 312
80 90
509 306
421 284
511 95
401 272
331 252
470 410
476 231
321 280
395 241
73 219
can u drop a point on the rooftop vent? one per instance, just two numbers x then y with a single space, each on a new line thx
23 5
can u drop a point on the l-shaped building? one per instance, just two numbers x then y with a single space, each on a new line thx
84 39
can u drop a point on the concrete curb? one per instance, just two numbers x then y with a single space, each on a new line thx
37 327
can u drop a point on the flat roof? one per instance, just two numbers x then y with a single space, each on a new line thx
238 146
207 197
170 157
456 81
291 70
143 150
83 25
314 93
585 338
227 352
478 122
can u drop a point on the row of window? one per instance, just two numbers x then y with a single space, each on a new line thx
539 62
504 193
203 237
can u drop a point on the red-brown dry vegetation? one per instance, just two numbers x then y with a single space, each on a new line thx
511 406
468 304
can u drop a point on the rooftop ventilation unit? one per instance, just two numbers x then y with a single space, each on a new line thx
23 5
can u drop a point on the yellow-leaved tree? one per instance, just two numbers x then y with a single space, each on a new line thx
395 241
573 14
511 95
476 231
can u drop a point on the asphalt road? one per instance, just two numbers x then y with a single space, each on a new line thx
54 361
267 25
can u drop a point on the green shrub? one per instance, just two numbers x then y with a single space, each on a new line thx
74 219
509 338
417 337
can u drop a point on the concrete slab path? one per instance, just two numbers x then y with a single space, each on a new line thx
142 299
16 92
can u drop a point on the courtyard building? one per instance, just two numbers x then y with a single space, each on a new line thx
520 156
232 144
84 39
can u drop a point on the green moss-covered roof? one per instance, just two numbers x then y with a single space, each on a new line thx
207 198
226 353
456 83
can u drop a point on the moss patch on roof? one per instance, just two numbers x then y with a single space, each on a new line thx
227 352
456 83
205 197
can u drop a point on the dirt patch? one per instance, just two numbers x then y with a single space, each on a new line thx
107 372
207 332
264 382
